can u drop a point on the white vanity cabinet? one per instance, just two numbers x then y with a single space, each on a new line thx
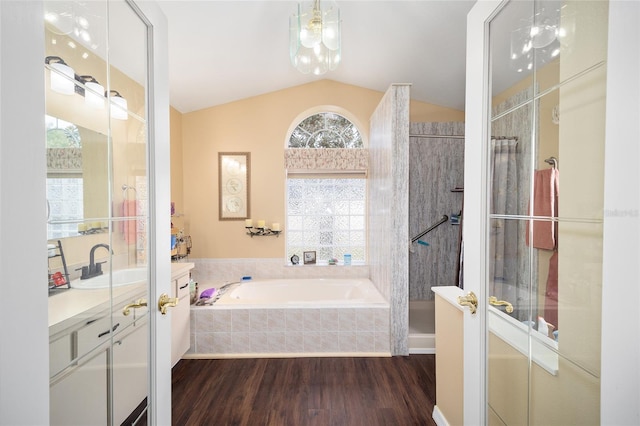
69 406
82 356
180 314
129 371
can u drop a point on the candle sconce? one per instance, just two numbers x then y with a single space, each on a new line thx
261 230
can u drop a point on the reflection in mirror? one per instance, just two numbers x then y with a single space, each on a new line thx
76 178
548 82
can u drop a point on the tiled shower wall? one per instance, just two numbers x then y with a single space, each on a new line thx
389 209
436 167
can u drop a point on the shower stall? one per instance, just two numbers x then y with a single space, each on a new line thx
436 176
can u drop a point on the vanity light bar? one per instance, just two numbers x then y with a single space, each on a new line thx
63 80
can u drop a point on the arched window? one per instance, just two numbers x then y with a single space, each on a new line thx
325 130
326 190
65 191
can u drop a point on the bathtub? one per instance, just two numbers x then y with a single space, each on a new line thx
292 317
325 292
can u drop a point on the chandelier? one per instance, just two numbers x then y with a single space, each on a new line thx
314 37
537 41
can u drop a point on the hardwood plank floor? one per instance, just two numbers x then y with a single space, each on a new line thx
394 391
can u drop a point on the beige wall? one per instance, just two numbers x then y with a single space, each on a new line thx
176 168
449 360
259 125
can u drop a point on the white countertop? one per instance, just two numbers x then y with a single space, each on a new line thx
74 305
449 293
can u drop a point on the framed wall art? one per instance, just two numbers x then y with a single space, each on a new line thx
309 257
234 172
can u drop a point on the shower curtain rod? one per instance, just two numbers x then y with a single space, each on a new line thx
415 135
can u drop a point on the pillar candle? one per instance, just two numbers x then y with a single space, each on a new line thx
248 223
261 223
275 226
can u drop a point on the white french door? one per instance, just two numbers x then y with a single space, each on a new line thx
547 74
116 341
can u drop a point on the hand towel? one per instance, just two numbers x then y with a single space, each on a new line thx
129 209
551 293
545 203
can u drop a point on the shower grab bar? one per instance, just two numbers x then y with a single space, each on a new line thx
442 220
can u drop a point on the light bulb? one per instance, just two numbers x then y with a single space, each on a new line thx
118 106
62 78
93 95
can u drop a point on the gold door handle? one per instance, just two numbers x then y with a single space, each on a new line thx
495 302
469 300
165 302
139 304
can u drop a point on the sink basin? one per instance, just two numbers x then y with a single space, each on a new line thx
118 278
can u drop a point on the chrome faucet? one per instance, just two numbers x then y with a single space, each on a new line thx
93 269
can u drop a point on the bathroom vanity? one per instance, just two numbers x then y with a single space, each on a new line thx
90 335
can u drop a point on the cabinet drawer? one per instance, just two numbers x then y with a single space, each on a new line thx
182 286
96 332
60 354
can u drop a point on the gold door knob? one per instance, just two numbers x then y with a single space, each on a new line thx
469 300
165 302
495 302
138 304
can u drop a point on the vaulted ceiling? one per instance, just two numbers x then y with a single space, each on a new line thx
222 51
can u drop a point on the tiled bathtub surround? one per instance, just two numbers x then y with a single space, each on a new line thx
219 331
211 272
224 331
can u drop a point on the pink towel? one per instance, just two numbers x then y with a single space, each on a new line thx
551 294
545 203
129 209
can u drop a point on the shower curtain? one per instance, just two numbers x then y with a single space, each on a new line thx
513 266
504 233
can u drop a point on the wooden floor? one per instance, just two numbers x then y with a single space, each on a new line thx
394 391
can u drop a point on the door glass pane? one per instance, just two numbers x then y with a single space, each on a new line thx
128 125
545 228
510 156
511 61
97 170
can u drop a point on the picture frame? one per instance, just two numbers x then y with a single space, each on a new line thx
234 178
309 257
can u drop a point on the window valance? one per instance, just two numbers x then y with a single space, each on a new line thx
64 160
326 159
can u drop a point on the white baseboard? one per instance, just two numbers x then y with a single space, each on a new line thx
422 343
286 355
438 417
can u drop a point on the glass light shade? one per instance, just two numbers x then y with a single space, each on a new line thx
119 107
62 78
93 95
314 37
543 35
